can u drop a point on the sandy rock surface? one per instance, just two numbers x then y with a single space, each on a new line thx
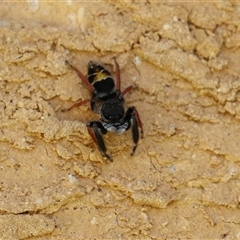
183 61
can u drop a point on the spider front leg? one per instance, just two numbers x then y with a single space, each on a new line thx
96 130
133 117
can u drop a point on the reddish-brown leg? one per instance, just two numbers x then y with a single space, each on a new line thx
126 90
84 79
77 104
118 78
138 121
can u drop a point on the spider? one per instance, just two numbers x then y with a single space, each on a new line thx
107 100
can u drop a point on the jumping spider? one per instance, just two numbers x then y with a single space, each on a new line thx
107 100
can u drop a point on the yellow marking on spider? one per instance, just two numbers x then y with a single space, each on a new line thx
100 76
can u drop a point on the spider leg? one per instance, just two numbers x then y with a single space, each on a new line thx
96 130
118 81
77 104
126 90
84 78
95 102
118 77
133 117
89 86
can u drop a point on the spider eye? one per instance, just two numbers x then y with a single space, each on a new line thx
114 116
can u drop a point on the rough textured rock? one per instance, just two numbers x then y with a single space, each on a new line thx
183 61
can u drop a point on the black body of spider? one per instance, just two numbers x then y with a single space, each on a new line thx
107 100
